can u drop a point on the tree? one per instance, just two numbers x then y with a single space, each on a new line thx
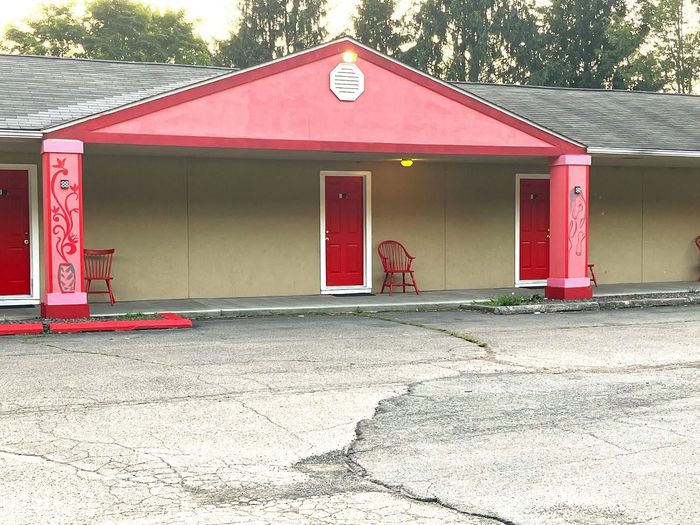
592 43
118 30
113 30
175 40
376 26
676 44
476 40
56 31
128 30
269 29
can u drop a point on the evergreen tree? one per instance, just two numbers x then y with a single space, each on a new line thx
375 25
676 44
270 29
592 43
475 40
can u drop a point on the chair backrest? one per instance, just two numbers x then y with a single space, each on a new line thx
98 264
394 256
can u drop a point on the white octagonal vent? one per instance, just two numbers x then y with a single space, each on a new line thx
347 82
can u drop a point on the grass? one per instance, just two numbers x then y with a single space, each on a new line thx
138 316
508 300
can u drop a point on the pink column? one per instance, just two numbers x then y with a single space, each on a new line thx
64 295
568 244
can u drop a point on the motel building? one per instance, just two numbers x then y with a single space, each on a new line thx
282 179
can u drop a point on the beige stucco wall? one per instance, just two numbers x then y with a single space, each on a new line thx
408 206
615 245
219 227
457 219
671 222
253 228
480 237
643 224
139 207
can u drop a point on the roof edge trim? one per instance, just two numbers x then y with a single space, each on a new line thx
20 134
645 152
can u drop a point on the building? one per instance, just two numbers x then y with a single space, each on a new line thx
283 178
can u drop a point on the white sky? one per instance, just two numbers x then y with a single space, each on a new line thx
213 18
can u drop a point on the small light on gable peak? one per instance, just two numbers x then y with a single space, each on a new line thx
407 163
349 57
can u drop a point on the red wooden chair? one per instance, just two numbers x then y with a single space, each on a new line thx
396 259
590 269
98 267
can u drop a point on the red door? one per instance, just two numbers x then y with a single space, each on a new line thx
534 229
14 233
344 231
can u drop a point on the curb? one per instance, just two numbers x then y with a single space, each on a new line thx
602 303
374 309
21 328
540 308
307 310
169 321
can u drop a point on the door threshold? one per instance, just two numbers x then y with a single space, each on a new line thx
10 302
531 284
347 291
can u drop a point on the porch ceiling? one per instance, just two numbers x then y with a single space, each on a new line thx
337 156
269 154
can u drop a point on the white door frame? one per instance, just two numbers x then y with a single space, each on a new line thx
518 282
34 269
366 286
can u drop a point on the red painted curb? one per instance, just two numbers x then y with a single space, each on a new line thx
169 321
21 328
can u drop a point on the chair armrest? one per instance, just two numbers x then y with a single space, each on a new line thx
384 260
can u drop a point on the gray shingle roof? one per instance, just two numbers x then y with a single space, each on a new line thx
603 119
40 92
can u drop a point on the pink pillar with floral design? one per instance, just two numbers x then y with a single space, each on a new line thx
64 296
569 227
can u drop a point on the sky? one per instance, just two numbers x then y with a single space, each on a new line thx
213 18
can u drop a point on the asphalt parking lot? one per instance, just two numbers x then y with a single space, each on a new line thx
400 418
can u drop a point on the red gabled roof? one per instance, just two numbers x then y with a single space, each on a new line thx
287 104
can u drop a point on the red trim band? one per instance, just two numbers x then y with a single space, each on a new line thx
310 145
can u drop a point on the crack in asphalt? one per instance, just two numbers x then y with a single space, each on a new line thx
401 491
42 457
453 333
492 357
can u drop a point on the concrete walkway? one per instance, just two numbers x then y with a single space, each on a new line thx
307 304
